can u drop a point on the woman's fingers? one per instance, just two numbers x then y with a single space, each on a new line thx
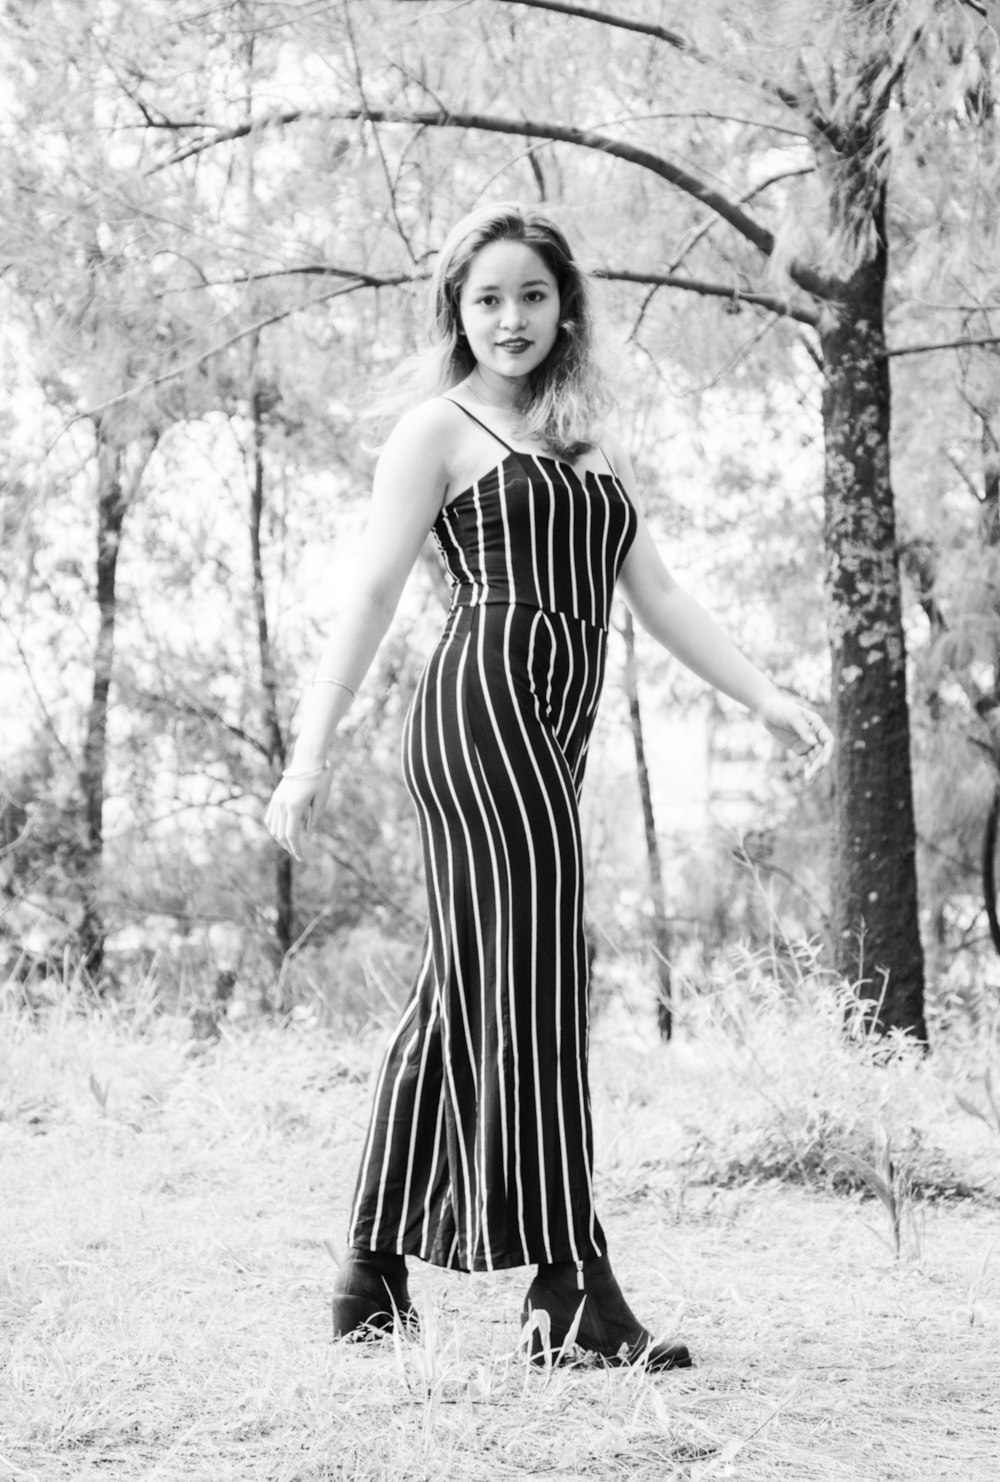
803 731
817 741
293 810
284 824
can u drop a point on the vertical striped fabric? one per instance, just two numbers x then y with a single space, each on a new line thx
480 1151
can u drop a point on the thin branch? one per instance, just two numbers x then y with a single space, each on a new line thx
964 475
972 308
39 697
203 711
923 349
747 227
365 280
349 863
744 856
643 28
633 335
390 183
810 111
699 113
740 353
706 226
357 278
731 291
814 353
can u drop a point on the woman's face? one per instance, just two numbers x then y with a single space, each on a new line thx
509 309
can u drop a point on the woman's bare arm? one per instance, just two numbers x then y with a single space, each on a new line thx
677 621
407 492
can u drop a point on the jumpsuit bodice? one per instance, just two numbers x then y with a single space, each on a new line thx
534 531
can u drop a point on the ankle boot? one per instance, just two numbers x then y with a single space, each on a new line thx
371 1295
608 1327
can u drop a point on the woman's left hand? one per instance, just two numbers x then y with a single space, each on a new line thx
798 728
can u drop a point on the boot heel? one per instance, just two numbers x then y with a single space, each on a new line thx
355 1315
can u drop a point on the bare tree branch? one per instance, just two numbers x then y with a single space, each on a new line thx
807 107
745 225
201 710
699 232
357 278
29 674
349 863
923 349
964 475
390 182
784 307
643 28
362 280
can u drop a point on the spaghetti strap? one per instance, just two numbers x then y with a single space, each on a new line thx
495 435
607 460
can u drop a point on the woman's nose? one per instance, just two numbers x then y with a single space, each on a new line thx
512 316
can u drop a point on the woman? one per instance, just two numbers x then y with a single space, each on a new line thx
479 1155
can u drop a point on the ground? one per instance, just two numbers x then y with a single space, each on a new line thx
170 1220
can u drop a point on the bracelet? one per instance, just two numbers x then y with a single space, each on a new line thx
340 685
310 772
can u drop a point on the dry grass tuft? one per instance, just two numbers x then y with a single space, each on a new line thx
171 1215
766 1084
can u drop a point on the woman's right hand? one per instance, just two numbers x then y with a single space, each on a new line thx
799 728
295 806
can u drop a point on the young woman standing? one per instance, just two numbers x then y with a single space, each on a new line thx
479 1155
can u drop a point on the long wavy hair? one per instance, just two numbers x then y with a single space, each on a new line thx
565 397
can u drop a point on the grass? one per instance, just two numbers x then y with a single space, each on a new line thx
171 1214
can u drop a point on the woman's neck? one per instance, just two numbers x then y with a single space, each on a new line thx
497 392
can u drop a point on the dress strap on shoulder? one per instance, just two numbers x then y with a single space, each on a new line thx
495 435
607 460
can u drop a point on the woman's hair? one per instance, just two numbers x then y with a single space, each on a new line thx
566 395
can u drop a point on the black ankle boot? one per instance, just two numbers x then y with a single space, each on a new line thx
608 1327
371 1295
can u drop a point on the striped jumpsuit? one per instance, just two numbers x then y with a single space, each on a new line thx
480 1151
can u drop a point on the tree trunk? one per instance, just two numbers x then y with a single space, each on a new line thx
111 506
987 706
117 486
876 923
660 927
276 744
276 741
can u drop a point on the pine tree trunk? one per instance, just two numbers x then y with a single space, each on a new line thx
276 744
660 927
111 506
876 924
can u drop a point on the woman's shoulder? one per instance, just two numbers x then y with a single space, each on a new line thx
615 451
430 423
435 415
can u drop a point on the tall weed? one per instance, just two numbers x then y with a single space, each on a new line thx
816 1096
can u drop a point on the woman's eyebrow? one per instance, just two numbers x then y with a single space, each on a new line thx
495 287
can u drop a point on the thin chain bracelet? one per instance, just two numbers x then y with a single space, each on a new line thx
340 685
311 772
